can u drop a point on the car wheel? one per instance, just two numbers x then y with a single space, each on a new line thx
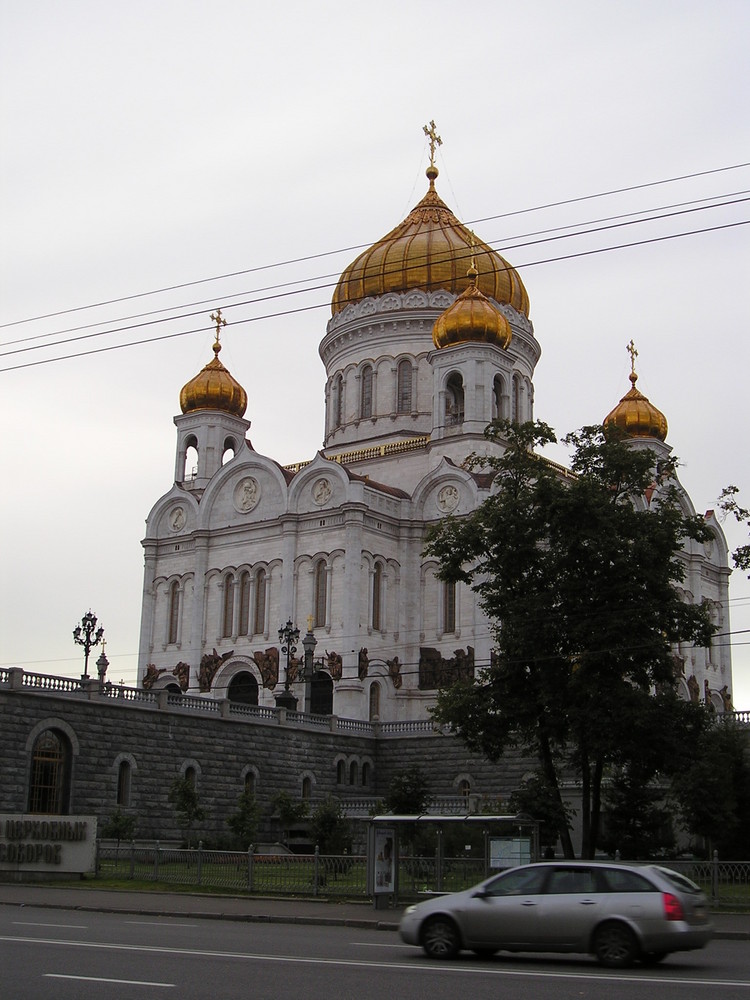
615 946
440 938
652 957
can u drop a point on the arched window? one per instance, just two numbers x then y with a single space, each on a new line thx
174 612
244 603
403 387
365 774
365 401
454 401
338 401
449 606
191 776
464 788
377 596
259 609
250 782
228 615
191 459
321 694
340 769
374 701
228 452
499 399
319 595
124 773
306 787
353 773
516 412
243 689
50 774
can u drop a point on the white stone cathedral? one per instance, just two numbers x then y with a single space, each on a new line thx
429 340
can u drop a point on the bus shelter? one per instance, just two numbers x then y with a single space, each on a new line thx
410 856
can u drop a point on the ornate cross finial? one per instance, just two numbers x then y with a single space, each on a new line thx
633 355
434 138
218 320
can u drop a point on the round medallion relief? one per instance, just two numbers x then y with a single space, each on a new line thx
177 519
447 498
246 494
321 491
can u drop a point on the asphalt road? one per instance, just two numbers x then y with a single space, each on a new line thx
86 955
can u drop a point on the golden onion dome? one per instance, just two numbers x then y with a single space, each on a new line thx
636 416
213 388
471 317
429 250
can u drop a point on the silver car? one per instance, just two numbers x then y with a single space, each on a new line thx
616 912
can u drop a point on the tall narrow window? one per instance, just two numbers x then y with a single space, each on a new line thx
174 612
516 415
449 607
191 776
365 773
374 701
320 593
259 610
123 783
377 592
403 402
353 775
499 399
454 401
244 603
338 401
306 788
50 769
250 783
365 409
228 616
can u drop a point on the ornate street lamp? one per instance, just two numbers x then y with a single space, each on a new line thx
308 644
288 639
87 635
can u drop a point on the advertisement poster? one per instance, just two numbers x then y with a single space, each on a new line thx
385 838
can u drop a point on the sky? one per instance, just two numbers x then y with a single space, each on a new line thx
238 155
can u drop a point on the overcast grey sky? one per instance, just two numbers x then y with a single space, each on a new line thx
153 144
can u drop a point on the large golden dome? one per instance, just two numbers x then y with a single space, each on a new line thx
635 415
471 317
213 388
429 250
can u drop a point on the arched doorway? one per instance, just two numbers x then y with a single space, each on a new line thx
243 689
321 694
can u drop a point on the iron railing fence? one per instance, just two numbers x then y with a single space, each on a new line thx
726 883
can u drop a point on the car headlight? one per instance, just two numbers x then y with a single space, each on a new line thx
410 909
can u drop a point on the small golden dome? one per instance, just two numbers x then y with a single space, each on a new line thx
472 317
428 251
213 388
634 414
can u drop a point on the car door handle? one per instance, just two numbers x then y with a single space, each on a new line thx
587 902
528 902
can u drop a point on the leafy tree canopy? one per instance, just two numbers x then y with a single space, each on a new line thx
330 827
578 576
244 822
119 826
183 796
729 505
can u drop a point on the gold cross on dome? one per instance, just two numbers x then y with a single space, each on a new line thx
633 355
434 138
218 320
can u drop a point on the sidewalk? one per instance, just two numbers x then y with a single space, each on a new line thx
729 926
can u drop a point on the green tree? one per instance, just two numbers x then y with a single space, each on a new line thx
119 826
639 820
408 792
577 574
288 811
183 796
712 788
537 799
729 505
244 822
330 827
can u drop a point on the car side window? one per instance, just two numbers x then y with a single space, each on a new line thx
518 882
572 880
620 880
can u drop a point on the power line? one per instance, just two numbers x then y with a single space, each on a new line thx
329 253
322 305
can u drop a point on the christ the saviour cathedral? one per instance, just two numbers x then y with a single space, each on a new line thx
429 340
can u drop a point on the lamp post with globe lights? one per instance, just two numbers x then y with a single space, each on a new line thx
87 635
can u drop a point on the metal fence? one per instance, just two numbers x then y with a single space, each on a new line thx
726 883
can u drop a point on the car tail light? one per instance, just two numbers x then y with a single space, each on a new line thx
672 907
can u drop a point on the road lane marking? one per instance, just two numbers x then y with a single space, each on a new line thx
415 966
36 923
156 923
120 982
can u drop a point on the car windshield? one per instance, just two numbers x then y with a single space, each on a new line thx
678 880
